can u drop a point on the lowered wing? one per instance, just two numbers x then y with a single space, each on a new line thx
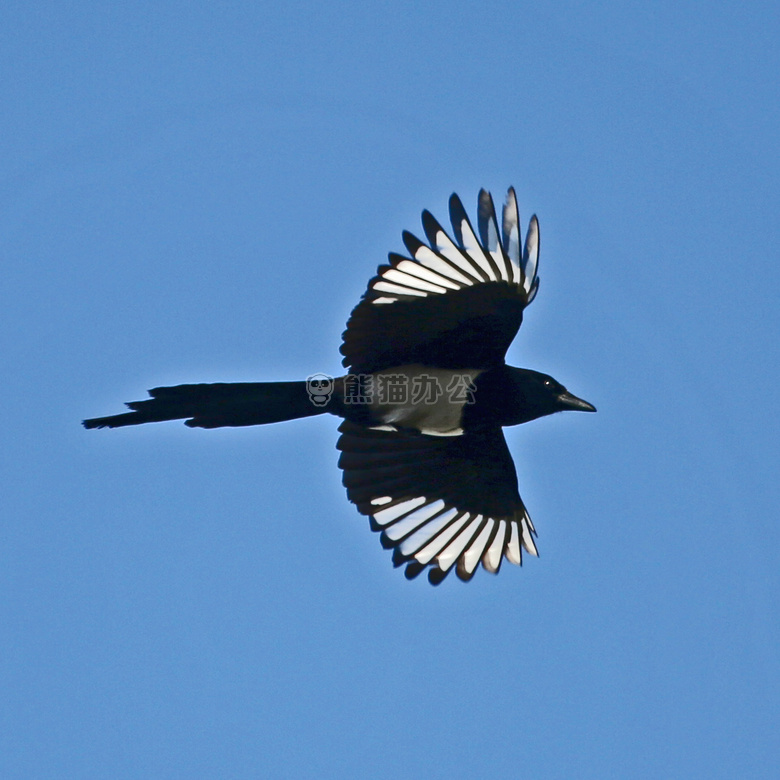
439 501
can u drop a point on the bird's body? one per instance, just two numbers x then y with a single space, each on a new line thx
428 392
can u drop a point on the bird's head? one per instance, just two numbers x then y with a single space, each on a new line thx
537 395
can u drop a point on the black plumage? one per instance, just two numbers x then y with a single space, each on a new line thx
426 396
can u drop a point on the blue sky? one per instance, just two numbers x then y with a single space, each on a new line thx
200 193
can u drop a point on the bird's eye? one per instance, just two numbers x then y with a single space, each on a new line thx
548 383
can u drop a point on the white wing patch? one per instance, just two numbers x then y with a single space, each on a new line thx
470 558
474 258
428 258
510 234
488 231
414 520
436 280
491 558
427 532
417 541
531 258
392 513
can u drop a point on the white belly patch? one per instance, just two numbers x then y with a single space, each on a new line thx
430 400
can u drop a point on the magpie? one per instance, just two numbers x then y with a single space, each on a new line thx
425 398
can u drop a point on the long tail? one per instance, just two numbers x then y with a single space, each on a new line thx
218 405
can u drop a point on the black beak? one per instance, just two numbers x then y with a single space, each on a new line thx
569 401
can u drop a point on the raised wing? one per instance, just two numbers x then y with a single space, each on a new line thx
453 303
439 502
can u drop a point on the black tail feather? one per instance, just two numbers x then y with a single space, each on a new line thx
217 405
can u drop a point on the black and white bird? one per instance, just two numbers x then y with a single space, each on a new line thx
427 394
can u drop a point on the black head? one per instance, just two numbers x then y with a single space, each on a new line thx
535 395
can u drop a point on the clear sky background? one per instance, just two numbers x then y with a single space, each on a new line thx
200 192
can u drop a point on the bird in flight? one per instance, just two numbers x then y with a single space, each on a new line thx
427 394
